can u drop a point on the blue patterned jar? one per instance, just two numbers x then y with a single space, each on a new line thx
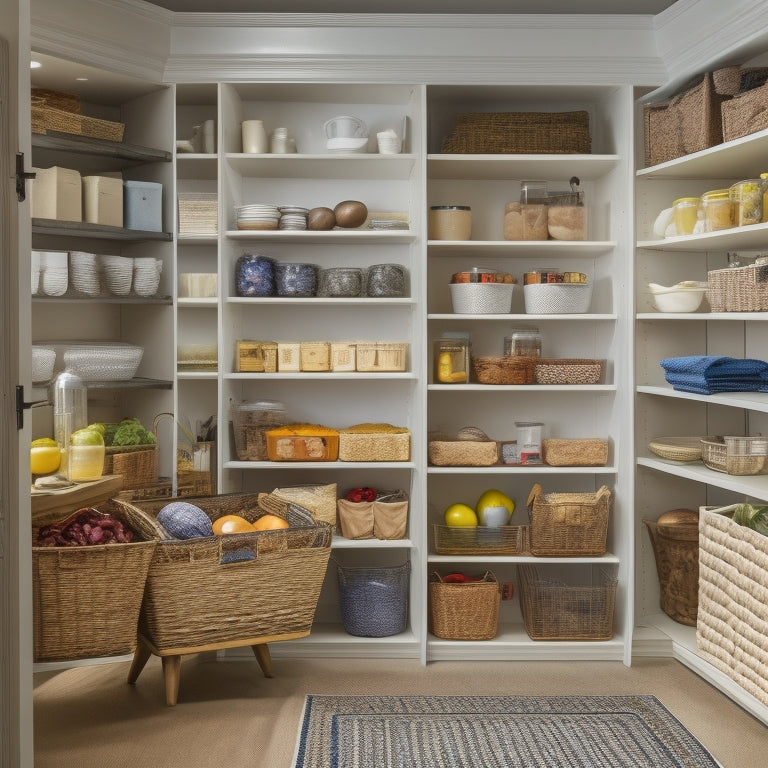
255 275
296 279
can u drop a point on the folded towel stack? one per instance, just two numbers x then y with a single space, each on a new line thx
708 374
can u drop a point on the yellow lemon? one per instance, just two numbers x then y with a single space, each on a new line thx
44 456
460 515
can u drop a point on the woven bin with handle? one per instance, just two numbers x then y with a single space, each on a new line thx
464 611
568 524
86 599
223 589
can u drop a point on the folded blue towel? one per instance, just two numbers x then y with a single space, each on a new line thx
713 366
702 385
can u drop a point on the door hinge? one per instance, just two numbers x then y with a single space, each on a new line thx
22 405
21 177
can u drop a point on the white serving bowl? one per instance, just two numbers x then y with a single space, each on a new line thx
347 144
682 297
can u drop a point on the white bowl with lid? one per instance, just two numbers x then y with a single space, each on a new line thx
685 296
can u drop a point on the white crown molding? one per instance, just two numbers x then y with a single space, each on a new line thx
411 69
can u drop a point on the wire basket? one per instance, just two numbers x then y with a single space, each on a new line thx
736 455
482 540
554 610
464 611
557 298
738 289
374 601
568 524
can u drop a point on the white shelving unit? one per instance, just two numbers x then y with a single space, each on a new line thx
662 411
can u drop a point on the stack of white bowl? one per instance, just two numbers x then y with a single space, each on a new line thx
54 272
347 145
257 216
84 273
389 142
117 272
146 275
293 217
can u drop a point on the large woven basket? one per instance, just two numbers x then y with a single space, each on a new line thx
745 113
446 452
464 611
520 133
505 369
137 464
738 289
86 600
218 589
686 123
553 610
568 524
732 620
676 549
575 452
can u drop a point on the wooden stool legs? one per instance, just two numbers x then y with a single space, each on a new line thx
261 651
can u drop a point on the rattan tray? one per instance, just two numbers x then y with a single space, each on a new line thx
682 449
481 540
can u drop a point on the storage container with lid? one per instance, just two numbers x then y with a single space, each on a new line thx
450 222
685 211
452 356
523 341
717 207
747 199
250 421
255 275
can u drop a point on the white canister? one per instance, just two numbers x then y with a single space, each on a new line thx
279 144
255 141
529 441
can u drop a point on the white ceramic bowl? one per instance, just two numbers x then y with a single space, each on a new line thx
678 298
347 144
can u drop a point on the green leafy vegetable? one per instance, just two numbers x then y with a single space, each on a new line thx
132 432
752 516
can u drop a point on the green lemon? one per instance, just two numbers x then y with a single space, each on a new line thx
86 436
43 442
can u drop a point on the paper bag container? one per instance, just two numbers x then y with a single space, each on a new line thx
103 200
143 205
57 194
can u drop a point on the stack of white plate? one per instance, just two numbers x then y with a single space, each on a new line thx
84 273
293 217
257 216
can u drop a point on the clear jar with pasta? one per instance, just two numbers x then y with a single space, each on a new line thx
717 207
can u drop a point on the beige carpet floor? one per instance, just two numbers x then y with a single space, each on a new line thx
230 715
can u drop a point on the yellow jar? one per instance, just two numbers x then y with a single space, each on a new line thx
718 210
685 213
764 180
747 198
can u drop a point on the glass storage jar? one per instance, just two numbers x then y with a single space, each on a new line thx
452 355
685 212
250 422
525 342
450 222
747 199
717 207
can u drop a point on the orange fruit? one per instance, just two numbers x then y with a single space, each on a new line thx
231 524
270 523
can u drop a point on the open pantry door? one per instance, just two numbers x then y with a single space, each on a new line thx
16 744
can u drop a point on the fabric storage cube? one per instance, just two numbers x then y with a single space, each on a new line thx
374 601
56 193
143 205
464 611
103 200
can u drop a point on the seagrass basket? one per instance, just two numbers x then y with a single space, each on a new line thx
446 452
568 371
738 289
575 452
237 587
374 442
136 463
319 499
482 540
506 369
568 524
464 611
520 132
46 119
86 599
745 113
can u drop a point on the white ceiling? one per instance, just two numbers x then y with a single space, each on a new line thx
417 6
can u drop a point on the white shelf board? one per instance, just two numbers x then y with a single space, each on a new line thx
211 239
323 166
206 303
731 160
333 236
523 166
318 301
323 376
753 401
339 542
528 469
273 465
527 388
751 237
197 375
523 316
522 248
705 316
754 486
607 559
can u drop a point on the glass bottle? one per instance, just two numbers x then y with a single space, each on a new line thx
70 411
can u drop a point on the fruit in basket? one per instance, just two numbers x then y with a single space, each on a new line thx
184 520
231 524
460 516
494 508
270 523
44 456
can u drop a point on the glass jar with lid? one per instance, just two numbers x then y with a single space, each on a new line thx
747 199
717 207
525 342
452 356
250 421
685 212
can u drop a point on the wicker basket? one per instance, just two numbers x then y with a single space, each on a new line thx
320 500
732 620
568 524
686 123
69 102
507 369
137 464
464 611
575 452
479 540
738 289
374 442
676 549
381 356
86 600
684 449
520 132
736 455
445 452
218 589
568 371
374 601
745 113
553 610
46 120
